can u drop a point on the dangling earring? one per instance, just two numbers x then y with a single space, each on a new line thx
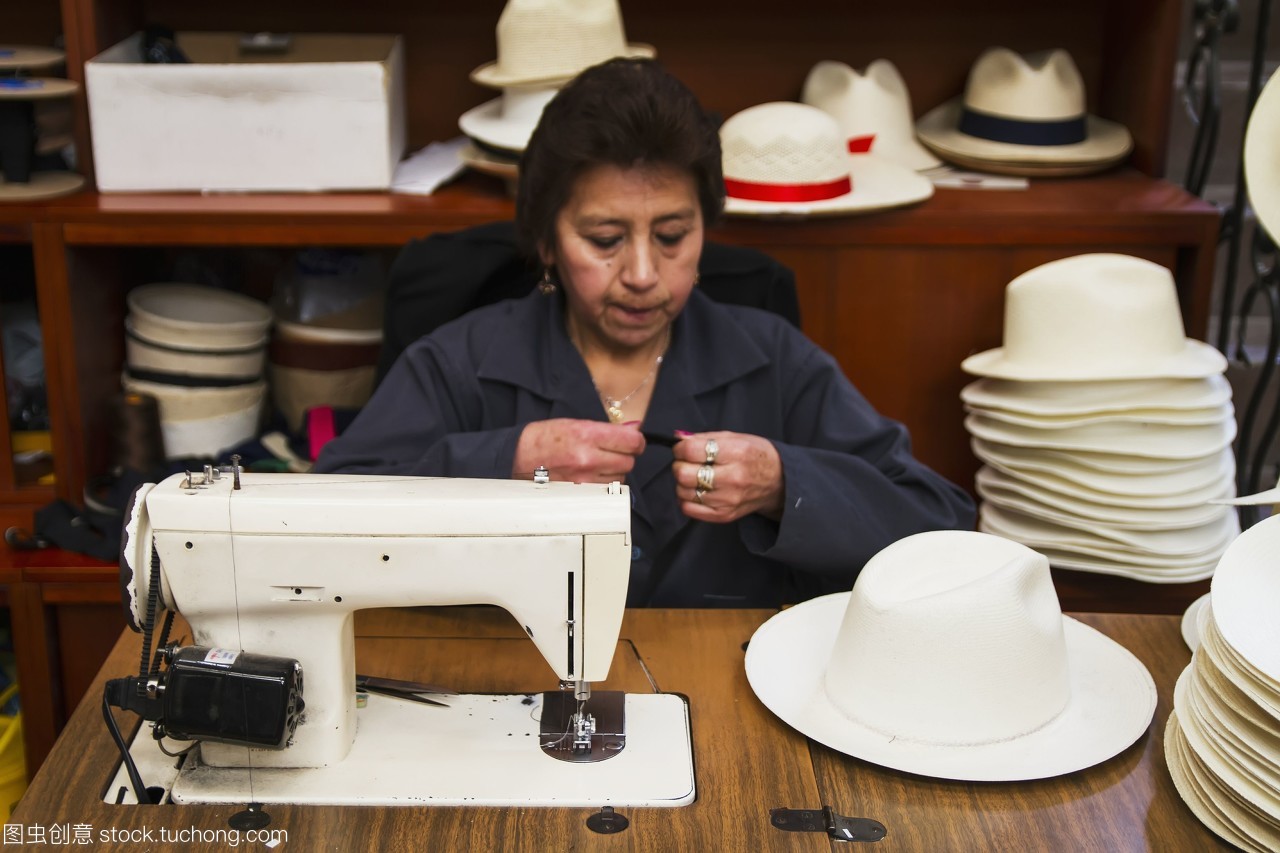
546 287
697 277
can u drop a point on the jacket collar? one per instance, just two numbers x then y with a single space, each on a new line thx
709 350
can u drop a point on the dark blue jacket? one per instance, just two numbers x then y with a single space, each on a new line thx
456 401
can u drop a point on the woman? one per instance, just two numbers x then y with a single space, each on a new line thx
785 480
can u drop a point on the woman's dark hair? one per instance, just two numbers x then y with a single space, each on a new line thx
625 113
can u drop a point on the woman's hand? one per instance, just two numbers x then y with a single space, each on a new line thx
578 451
745 477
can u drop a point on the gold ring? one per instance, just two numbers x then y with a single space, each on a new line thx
698 493
713 449
706 478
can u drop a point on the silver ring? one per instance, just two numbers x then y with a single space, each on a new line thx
707 478
698 493
713 449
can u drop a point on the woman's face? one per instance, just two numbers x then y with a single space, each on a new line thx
626 250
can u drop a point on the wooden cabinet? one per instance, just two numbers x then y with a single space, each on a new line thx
900 297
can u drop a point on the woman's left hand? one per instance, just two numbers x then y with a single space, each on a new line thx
744 475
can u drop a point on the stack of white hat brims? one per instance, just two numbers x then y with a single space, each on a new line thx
542 44
873 110
1222 740
1024 115
785 159
200 351
1105 433
951 658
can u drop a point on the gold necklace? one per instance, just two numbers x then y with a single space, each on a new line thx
613 405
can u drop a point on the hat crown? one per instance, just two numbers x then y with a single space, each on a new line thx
951 637
783 143
1044 86
1099 309
550 39
876 102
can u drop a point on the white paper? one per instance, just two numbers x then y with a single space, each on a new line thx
950 177
425 171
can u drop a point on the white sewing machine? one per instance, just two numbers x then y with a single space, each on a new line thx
277 564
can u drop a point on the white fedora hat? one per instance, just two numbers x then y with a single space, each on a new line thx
1090 317
790 159
546 42
506 123
1024 110
1262 157
1175 478
873 110
1156 441
1082 398
951 658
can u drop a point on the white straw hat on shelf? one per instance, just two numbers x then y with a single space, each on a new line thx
1063 399
507 122
873 109
789 159
1026 111
1092 317
548 42
951 658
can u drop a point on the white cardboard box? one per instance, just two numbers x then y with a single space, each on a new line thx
328 114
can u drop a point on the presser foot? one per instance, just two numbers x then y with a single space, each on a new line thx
593 730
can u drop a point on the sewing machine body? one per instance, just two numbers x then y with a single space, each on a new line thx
278 564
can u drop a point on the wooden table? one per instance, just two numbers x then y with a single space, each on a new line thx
747 761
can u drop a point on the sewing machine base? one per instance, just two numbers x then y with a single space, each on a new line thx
483 750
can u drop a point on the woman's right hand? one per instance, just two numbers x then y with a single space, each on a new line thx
578 451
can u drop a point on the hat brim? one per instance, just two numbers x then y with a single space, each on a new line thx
1081 398
487 164
1153 443
1135 418
1121 478
1270 496
487 124
1106 142
908 153
1113 699
878 184
1262 158
1189 542
1191 622
1114 557
1191 781
1054 486
1197 360
1017 493
1030 170
493 75
1245 592
1080 562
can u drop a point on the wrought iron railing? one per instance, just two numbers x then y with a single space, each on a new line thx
1202 92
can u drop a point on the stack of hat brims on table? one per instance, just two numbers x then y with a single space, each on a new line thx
200 351
1221 741
1105 432
542 44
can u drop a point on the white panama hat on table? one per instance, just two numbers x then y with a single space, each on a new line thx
951 658
1063 399
505 124
873 109
1024 111
547 42
787 159
1092 317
